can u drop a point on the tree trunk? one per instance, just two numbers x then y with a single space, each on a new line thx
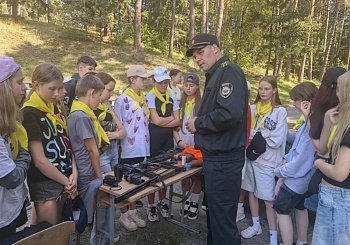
137 26
307 42
340 36
15 10
309 75
204 16
192 18
348 60
207 24
326 24
240 31
220 18
331 41
172 30
270 44
288 66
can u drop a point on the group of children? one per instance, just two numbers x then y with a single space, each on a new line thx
63 136
67 134
321 142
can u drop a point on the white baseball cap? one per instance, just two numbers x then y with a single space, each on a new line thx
160 74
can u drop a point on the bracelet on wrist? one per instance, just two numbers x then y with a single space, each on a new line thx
178 142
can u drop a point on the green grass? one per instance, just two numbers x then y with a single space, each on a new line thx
32 43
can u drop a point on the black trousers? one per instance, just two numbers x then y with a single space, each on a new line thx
223 177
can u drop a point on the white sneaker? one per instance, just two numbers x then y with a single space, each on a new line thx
128 223
116 238
250 232
240 216
152 214
136 217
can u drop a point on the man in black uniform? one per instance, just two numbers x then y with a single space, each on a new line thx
220 132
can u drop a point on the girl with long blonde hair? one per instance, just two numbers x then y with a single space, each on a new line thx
332 217
14 156
52 170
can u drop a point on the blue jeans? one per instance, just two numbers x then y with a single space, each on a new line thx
311 202
332 224
109 157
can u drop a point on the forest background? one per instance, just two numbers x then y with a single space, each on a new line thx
293 40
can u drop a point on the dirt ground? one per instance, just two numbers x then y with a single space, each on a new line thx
164 232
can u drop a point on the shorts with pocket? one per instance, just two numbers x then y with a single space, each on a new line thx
259 179
287 200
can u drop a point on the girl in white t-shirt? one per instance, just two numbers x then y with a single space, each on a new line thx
164 116
132 109
259 177
189 106
176 78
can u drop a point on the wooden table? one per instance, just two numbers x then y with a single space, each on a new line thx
104 200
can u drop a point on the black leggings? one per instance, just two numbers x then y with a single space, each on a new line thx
161 139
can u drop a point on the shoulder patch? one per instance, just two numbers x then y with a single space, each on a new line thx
224 64
226 90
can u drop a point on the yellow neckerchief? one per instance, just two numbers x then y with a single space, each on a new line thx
299 122
36 102
80 106
21 137
105 109
58 105
188 107
139 99
260 111
165 101
332 136
174 88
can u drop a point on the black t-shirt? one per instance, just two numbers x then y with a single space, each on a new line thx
70 95
108 125
56 146
346 183
169 107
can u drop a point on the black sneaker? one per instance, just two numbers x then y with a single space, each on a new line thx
139 204
187 207
204 203
152 214
165 211
193 211
27 203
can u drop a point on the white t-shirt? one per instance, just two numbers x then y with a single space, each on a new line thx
151 101
137 140
176 91
186 136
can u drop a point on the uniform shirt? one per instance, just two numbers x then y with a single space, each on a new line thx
137 140
346 183
222 117
56 145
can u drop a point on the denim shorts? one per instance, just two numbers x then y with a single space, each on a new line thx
43 191
332 225
287 200
110 156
